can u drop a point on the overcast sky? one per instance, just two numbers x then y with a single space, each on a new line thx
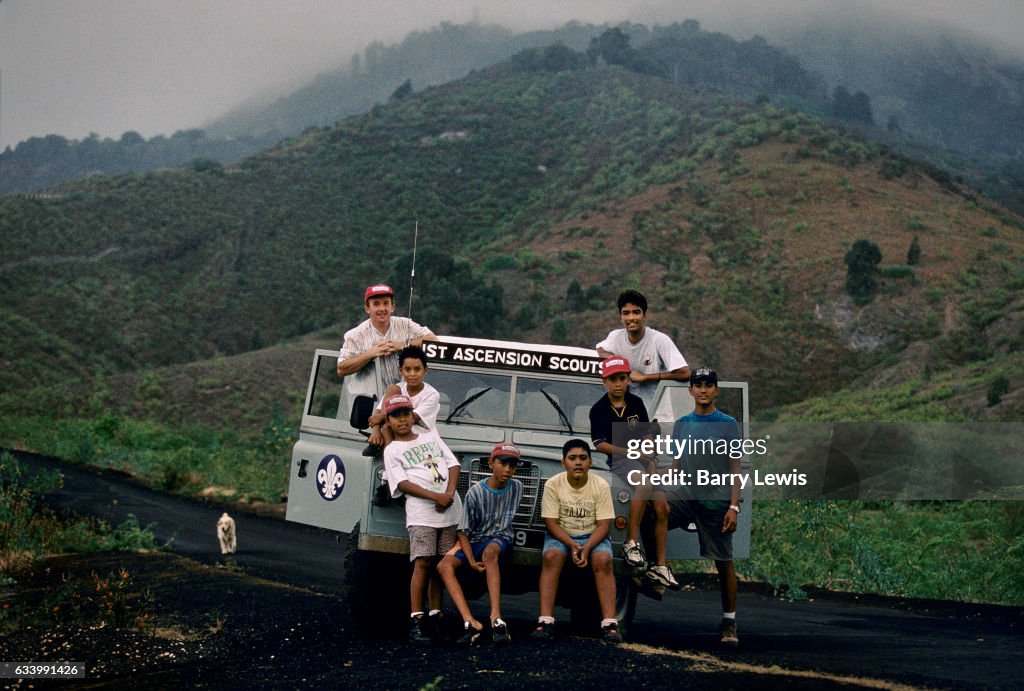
73 67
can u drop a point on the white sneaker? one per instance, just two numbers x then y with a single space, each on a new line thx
663 575
632 554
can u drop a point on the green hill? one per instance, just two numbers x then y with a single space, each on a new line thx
542 188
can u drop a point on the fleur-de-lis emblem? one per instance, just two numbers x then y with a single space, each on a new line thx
330 477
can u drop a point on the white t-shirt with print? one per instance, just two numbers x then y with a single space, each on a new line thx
426 461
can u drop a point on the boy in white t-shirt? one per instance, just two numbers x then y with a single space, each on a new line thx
653 354
426 401
423 468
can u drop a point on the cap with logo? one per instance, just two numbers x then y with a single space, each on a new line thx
397 402
614 365
704 374
378 290
506 451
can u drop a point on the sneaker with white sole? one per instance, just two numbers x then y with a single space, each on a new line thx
633 555
728 630
662 575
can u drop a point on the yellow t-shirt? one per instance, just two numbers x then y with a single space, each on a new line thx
577 510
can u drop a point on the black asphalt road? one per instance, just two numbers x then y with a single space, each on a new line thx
879 641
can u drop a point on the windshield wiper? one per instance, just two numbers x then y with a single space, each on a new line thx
462 406
561 413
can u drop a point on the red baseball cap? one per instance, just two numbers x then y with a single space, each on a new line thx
377 291
397 402
506 449
614 365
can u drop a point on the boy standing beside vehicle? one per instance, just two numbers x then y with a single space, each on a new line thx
422 467
485 536
578 512
715 513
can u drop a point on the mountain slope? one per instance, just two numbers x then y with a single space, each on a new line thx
734 218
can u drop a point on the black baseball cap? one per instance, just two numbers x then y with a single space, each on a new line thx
704 374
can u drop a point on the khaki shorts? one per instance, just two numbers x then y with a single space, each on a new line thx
425 541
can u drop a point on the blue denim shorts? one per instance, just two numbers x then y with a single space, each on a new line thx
604 545
478 549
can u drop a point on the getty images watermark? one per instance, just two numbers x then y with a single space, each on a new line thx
864 461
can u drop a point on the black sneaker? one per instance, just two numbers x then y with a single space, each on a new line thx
543 632
417 634
610 633
437 626
499 632
470 636
729 637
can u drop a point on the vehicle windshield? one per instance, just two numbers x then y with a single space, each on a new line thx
515 399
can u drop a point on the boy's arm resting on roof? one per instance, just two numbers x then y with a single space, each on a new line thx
678 374
429 336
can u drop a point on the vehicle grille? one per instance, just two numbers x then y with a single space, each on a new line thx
528 512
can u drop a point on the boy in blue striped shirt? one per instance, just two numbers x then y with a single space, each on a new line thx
485 534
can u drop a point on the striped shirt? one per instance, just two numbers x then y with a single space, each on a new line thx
489 512
365 336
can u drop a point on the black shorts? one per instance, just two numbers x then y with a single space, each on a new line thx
708 517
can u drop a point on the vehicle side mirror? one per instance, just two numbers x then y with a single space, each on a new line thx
362 409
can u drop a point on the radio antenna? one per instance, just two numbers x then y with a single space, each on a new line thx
412 273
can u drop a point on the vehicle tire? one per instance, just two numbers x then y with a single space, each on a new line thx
376 591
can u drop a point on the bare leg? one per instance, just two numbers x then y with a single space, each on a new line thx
451 583
637 505
727 584
661 511
550 571
493 573
604 579
418 583
435 592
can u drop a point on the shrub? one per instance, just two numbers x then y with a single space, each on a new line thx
999 387
862 261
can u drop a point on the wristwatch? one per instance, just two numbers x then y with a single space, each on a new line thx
735 508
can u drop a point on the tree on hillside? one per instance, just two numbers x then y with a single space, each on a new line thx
861 268
856 107
612 46
402 91
449 295
914 253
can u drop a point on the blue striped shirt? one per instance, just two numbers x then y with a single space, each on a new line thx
488 512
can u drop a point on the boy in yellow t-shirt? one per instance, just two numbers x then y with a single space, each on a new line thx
577 510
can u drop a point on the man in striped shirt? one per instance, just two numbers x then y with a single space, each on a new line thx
380 336
485 534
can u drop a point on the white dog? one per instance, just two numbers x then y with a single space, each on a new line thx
226 534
